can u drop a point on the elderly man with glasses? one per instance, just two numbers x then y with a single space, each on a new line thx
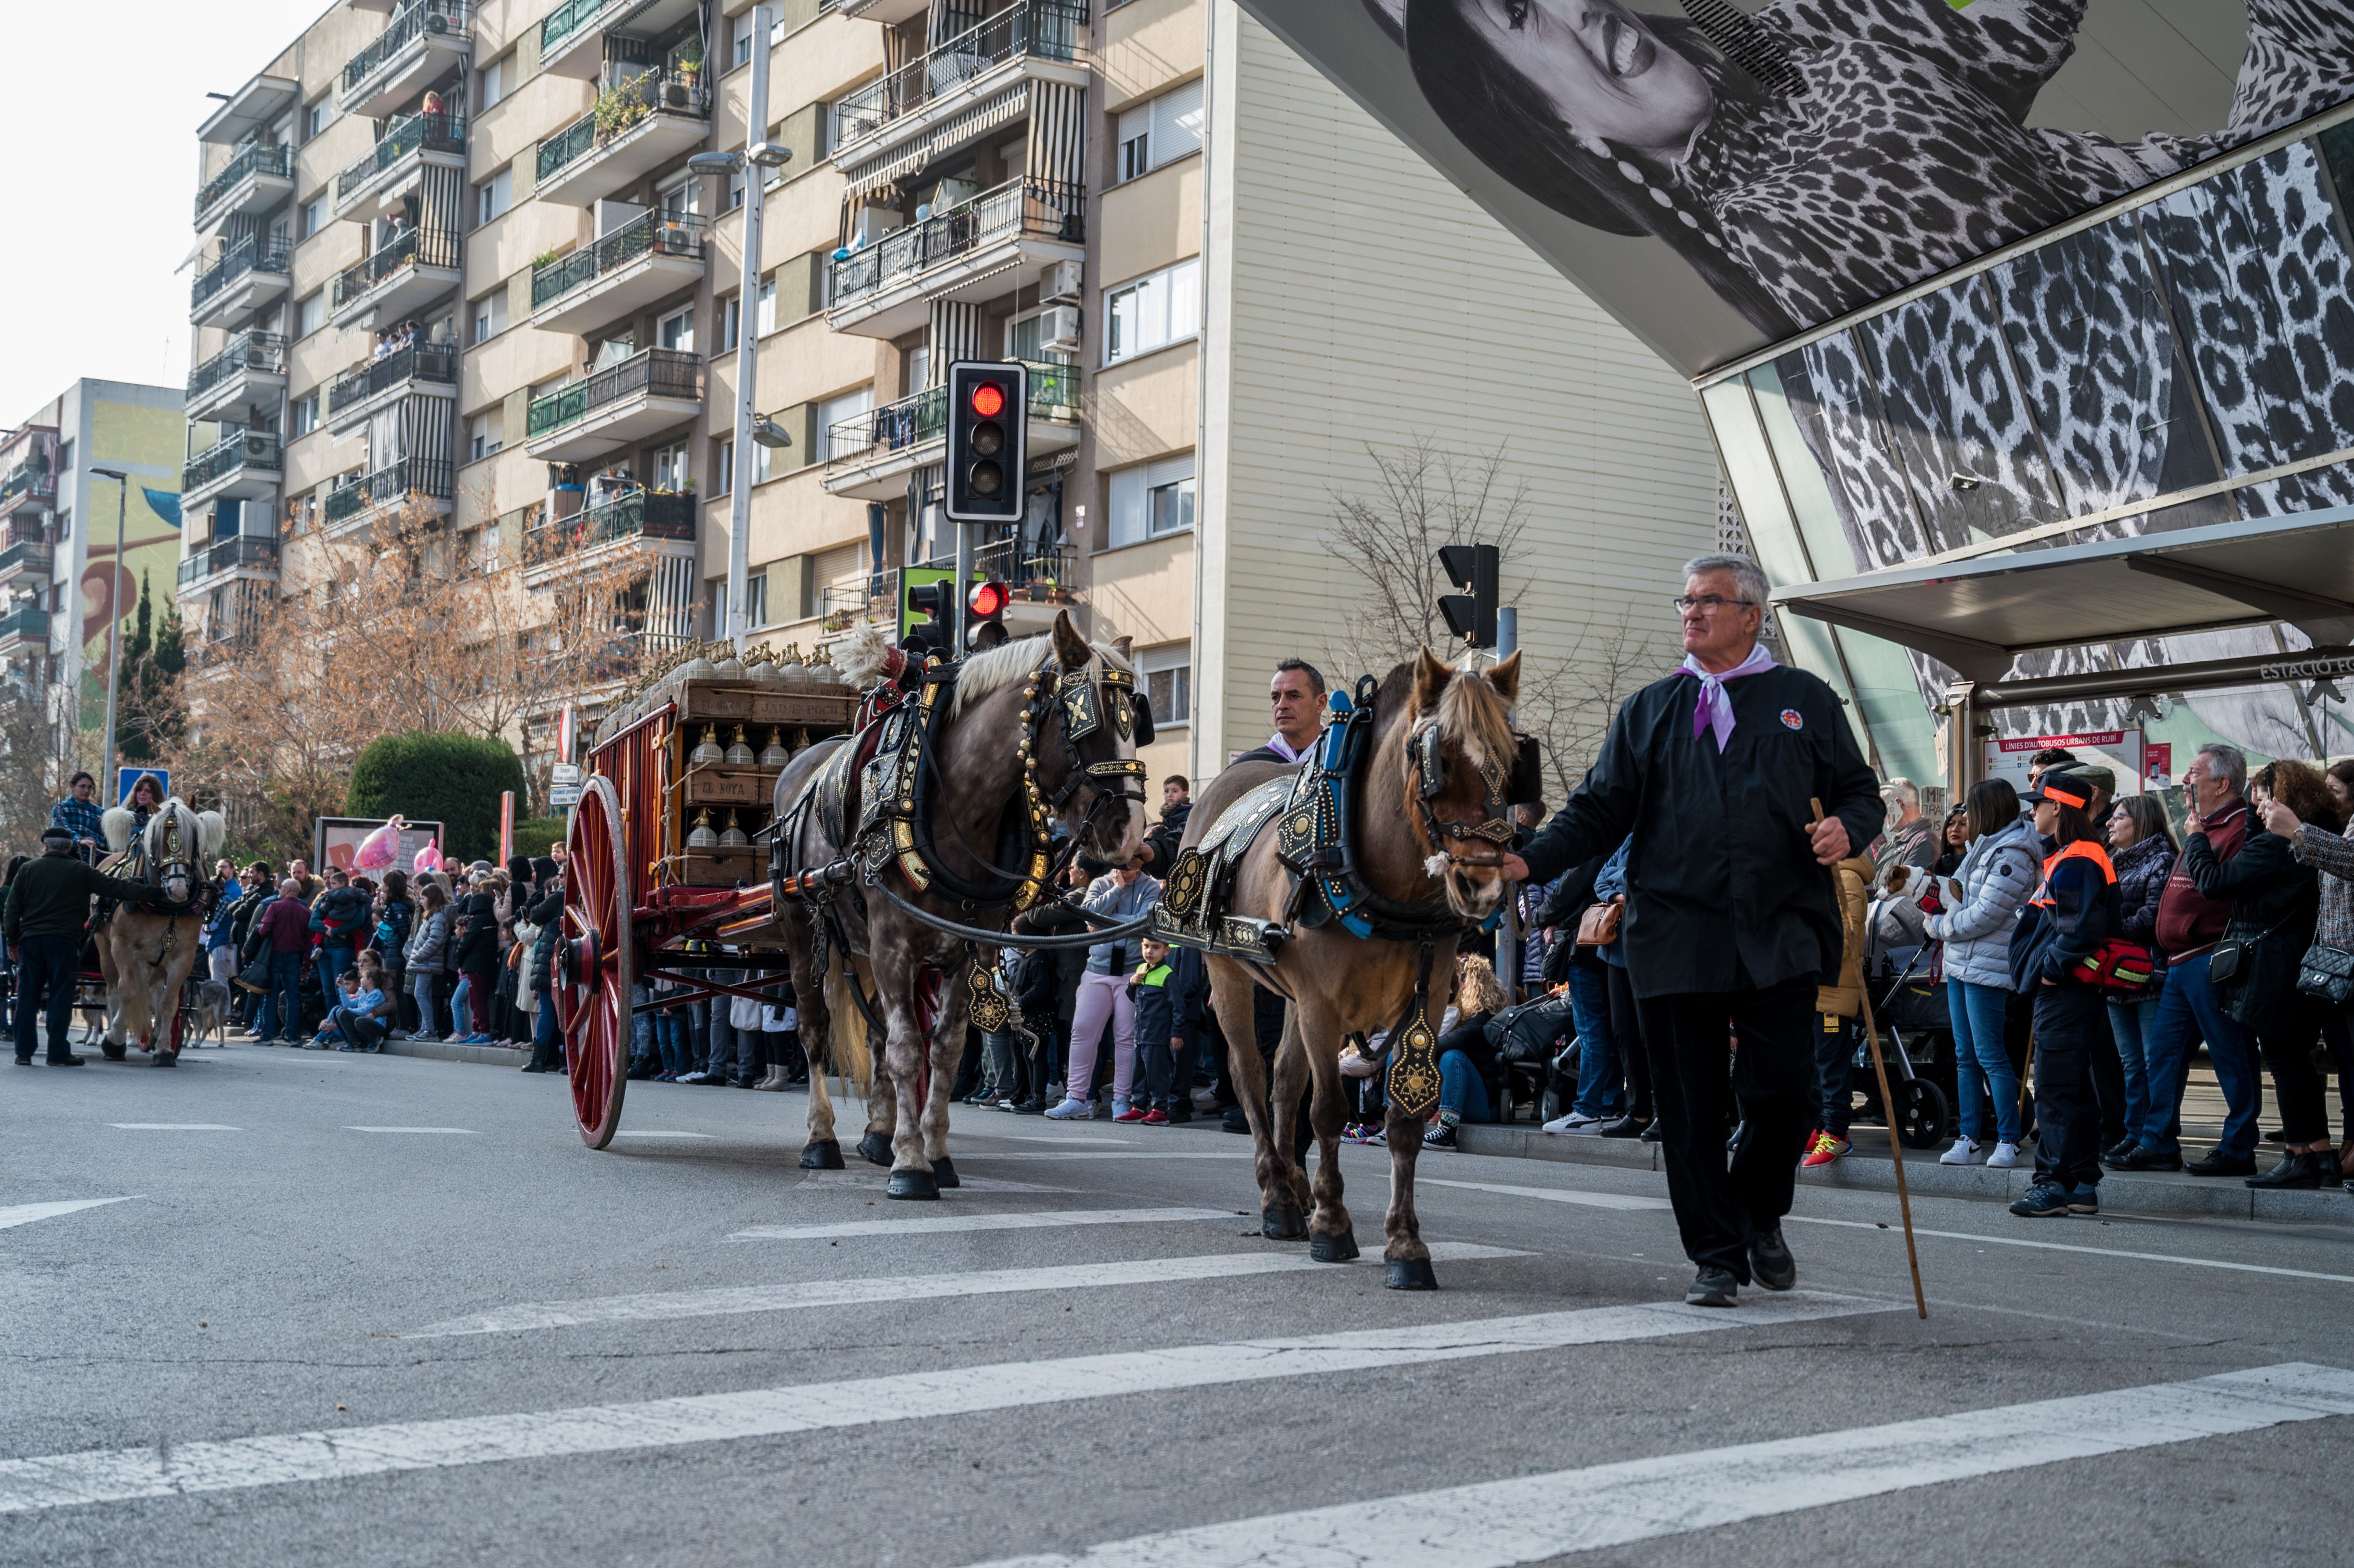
1742 785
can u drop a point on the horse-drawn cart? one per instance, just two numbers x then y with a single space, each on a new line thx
664 850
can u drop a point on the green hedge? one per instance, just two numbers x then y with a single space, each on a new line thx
455 780
536 836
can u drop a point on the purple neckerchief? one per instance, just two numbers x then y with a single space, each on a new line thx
1714 709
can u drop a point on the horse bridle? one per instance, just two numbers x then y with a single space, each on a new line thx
1426 750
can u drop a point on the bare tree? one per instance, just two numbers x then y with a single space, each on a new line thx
31 774
1568 702
1421 496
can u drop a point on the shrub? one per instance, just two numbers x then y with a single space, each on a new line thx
455 780
535 837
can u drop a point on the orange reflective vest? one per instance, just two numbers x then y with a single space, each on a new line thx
2085 849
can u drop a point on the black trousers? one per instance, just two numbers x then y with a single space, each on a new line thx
1696 1077
2287 1051
44 987
2069 1020
1627 1034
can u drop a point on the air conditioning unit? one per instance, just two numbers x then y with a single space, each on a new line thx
1061 281
673 238
1058 329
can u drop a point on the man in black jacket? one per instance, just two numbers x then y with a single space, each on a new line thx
48 911
1731 922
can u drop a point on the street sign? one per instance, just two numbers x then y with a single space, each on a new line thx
126 779
2119 750
564 773
564 794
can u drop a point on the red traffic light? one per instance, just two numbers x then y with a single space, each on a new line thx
988 599
988 399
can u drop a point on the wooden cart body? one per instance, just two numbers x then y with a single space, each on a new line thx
636 893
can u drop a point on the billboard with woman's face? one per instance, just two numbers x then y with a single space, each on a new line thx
1722 177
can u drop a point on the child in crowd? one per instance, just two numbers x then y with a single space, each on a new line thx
1159 1046
356 1022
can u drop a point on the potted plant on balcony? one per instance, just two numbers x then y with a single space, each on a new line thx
689 70
618 109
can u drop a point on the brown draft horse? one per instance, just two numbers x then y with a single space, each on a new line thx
1339 984
147 955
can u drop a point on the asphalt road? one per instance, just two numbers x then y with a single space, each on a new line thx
357 1310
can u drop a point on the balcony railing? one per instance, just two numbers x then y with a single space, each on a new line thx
247 449
1039 209
28 556
227 555
25 620
1041 29
655 371
420 247
409 133
245 351
912 422
653 234
251 254
28 481
618 109
253 158
1038 573
388 486
435 362
434 17
649 514
566 20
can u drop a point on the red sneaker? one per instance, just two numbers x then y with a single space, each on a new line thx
1824 1149
1133 1113
1155 1118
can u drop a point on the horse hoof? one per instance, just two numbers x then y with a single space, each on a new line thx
912 1184
168 1059
114 1053
1338 1248
1282 1223
944 1172
875 1150
824 1154
1410 1274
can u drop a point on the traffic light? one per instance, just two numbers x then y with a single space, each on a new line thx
925 614
1472 614
987 454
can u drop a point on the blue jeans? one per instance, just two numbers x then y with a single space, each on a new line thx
545 1050
333 962
642 1024
1598 1091
1461 1090
2132 1024
2188 1011
1981 1066
282 1004
1835 1073
670 1034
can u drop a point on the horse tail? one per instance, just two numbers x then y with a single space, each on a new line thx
847 1049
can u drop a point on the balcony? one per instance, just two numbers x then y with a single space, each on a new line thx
26 561
373 184
569 36
1039 576
420 482
890 13
260 174
407 272
26 626
646 259
999 241
1041 40
245 464
635 129
249 374
871 456
572 544
424 369
422 43
30 486
239 554
643 396
248 278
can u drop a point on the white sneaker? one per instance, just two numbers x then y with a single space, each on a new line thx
1964 1152
1068 1109
2004 1157
1575 1121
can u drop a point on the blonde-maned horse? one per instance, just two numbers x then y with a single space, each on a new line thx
145 954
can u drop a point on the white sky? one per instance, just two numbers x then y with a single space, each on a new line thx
100 131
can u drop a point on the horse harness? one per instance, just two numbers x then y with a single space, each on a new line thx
1315 844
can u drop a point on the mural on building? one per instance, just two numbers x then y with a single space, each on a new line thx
150 442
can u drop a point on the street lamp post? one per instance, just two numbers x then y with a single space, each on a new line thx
107 770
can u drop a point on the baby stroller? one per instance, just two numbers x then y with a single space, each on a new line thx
1916 1034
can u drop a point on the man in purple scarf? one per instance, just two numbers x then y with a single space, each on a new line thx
1730 919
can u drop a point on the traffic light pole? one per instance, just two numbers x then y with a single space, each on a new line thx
747 337
963 584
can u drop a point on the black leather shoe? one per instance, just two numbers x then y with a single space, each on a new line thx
24 1060
2221 1164
1235 1120
1770 1263
1625 1126
2299 1171
2142 1157
2118 1149
1651 1134
533 1067
1713 1287
66 1061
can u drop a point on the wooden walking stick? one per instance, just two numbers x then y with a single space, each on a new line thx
1895 1143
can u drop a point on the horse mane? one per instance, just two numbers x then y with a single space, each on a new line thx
116 822
208 831
1008 662
1470 712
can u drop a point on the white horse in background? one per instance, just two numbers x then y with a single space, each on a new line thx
148 954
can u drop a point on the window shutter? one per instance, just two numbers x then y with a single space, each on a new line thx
1176 123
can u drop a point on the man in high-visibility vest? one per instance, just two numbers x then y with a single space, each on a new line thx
2070 915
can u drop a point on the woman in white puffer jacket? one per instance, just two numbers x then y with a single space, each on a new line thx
1996 878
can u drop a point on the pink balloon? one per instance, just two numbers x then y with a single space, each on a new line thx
381 848
428 859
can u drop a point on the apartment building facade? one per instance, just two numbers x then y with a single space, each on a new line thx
506 306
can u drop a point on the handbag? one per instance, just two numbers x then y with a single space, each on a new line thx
2327 972
1525 1031
1598 927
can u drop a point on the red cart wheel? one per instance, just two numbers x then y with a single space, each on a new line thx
594 961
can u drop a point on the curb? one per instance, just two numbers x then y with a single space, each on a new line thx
2203 1197
481 1055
